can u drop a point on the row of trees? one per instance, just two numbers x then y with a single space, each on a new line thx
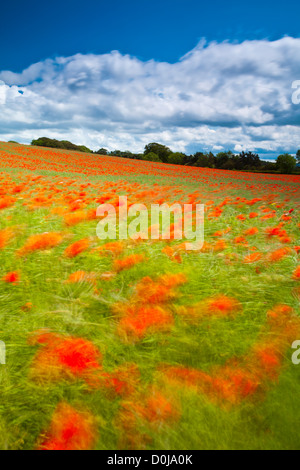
223 160
60 144
156 152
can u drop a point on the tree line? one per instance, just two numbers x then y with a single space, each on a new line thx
60 144
155 152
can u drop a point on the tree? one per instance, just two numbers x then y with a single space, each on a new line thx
115 153
204 160
176 158
59 144
222 158
229 165
298 156
83 148
286 163
151 157
211 159
161 150
268 166
248 161
102 151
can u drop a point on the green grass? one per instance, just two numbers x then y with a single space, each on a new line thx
270 420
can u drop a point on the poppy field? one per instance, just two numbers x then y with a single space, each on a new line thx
141 344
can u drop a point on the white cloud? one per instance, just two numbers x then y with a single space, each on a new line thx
219 95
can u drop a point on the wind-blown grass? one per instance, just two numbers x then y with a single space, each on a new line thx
141 344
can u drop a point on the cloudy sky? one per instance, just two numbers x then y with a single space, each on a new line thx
133 75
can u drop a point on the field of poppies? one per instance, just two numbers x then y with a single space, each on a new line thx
140 344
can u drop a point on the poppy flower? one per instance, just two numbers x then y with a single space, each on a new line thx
76 248
12 277
69 429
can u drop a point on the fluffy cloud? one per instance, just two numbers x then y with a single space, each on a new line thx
219 95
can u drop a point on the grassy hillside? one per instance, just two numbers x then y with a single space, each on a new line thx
133 344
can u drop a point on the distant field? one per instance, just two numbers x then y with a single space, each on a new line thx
142 344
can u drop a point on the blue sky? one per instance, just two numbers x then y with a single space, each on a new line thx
193 75
163 30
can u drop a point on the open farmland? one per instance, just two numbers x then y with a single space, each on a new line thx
140 344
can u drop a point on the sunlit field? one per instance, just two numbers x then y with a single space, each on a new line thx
140 344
